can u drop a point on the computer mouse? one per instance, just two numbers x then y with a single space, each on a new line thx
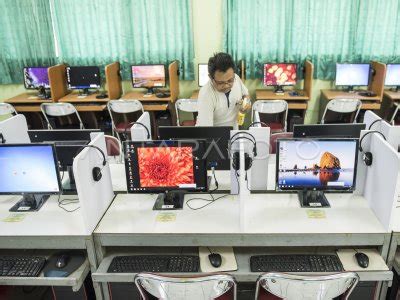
215 259
62 261
362 259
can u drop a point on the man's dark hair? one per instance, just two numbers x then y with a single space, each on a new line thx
220 62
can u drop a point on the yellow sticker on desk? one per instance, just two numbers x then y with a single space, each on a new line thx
166 217
316 214
14 218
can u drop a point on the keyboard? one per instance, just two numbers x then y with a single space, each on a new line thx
295 263
21 266
155 263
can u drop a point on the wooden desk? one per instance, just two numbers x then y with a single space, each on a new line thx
141 97
75 98
371 103
270 95
27 98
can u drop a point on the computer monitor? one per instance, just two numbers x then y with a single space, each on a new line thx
67 143
83 78
37 78
393 76
279 75
351 75
148 76
164 167
203 74
328 130
217 140
311 166
29 170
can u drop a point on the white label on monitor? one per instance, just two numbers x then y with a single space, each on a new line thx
158 84
315 204
167 206
335 183
93 85
187 186
24 208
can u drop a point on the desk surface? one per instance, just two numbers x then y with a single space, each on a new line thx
266 214
270 95
27 98
334 94
392 95
37 224
74 97
141 96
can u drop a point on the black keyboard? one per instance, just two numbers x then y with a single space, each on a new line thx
21 266
155 263
295 263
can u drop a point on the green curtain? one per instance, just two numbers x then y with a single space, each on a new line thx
325 32
26 37
98 32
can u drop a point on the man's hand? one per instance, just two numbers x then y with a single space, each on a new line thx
245 104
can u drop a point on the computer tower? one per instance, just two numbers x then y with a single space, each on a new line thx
294 120
86 292
122 291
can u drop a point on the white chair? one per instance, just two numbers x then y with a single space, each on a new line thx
393 118
294 287
59 110
122 107
274 108
7 109
343 106
202 287
186 105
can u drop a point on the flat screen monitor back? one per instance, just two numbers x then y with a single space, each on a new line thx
217 140
328 130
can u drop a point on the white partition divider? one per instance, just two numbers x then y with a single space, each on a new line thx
382 180
14 130
259 171
94 196
369 118
138 132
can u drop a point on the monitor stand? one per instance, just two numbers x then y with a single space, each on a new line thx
311 198
85 92
350 89
43 94
30 202
279 90
170 200
149 93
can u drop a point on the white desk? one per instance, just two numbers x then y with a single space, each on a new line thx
43 232
267 220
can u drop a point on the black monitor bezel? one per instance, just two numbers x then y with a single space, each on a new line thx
277 63
297 131
398 64
158 143
81 88
369 74
31 67
152 87
59 132
55 164
198 74
337 188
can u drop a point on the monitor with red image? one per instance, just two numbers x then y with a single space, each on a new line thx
158 166
280 74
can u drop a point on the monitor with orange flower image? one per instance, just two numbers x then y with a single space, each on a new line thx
159 166
279 75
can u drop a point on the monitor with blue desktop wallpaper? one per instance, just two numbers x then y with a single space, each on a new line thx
322 164
30 170
393 75
351 75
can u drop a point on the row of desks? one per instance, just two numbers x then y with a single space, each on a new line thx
255 223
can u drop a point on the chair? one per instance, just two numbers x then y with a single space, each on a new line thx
202 287
124 109
113 146
7 109
342 106
186 105
276 112
274 286
274 137
59 110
